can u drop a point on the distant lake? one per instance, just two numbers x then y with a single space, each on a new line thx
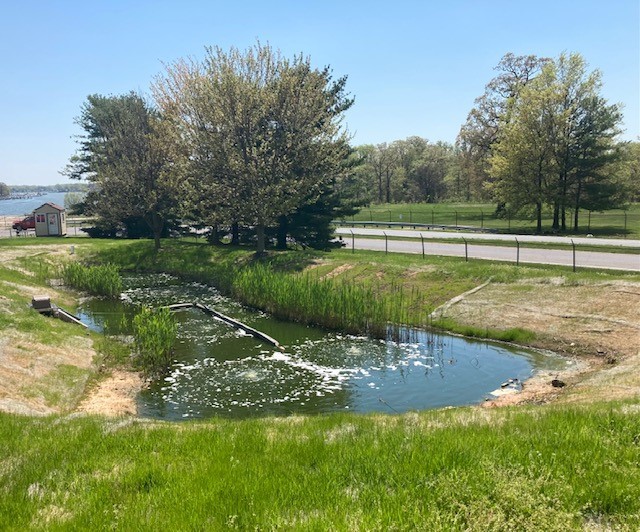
19 207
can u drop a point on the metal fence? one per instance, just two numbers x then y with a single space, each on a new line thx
610 223
515 252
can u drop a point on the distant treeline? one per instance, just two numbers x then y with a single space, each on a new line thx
62 187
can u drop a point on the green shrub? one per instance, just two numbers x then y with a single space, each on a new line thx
154 332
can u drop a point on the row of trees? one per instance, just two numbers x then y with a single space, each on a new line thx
254 140
410 170
247 139
541 136
4 190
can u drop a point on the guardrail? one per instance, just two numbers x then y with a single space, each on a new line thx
402 225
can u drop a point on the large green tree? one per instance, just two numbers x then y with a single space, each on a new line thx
4 190
559 146
490 115
128 153
264 132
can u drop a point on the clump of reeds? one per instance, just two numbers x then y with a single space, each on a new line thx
102 280
336 304
154 333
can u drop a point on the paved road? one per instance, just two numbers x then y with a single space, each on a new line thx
584 259
546 239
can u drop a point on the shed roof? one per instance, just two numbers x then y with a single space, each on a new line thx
49 204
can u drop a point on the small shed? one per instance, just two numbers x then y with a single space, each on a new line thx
50 220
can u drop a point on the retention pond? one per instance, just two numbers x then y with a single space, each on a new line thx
218 370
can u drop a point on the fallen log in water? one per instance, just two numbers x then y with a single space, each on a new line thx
208 310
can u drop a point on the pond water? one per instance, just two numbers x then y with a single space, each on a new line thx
220 371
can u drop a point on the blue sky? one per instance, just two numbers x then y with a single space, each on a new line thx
414 68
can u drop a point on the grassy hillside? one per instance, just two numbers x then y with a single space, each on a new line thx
554 467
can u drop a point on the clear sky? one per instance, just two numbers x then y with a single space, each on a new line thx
414 67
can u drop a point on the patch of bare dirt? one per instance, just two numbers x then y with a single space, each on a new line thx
9 255
596 324
337 271
114 396
28 380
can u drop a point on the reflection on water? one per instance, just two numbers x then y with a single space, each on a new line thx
219 370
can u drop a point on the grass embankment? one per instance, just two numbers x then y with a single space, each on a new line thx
617 223
45 364
358 293
462 469
555 467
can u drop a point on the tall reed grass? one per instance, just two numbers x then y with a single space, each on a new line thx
102 280
336 304
154 333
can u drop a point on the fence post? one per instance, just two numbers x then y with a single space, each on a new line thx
466 250
422 239
410 216
389 214
517 253
386 242
353 242
574 255
370 216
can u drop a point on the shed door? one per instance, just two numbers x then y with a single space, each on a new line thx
54 225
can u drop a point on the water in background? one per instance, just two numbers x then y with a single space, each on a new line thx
22 207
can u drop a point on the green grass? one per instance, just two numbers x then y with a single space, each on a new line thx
531 468
608 223
460 469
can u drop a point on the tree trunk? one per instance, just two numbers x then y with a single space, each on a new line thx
577 207
539 217
214 237
556 217
156 227
388 186
261 241
283 227
235 234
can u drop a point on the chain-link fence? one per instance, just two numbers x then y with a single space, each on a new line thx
619 223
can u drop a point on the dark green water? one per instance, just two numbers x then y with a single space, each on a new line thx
219 370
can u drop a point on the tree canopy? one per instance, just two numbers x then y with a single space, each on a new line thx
264 132
128 152
559 145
